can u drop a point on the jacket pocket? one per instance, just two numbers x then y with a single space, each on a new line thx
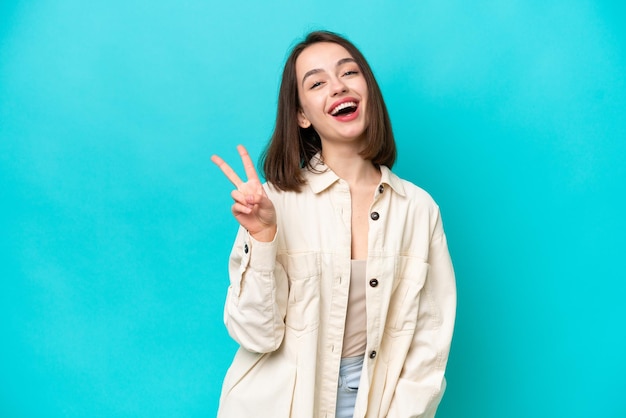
258 385
303 273
410 275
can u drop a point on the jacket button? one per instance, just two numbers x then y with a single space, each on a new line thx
375 216
381 188
373 354
374 282
245 248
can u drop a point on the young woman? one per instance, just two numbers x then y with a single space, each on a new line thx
342 293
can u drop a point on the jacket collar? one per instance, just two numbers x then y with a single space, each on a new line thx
320 177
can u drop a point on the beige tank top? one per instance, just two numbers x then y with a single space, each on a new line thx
355 331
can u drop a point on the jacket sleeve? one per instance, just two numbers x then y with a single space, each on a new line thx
256 301
422 375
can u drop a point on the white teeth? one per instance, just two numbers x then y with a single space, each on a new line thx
341 107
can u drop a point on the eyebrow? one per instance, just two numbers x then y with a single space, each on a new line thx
318 70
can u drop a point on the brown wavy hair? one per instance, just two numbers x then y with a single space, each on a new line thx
292 147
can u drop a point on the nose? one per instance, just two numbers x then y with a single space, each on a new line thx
337 87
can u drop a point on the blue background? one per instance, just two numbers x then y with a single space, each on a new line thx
115 228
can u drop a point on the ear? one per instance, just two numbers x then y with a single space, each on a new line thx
302 120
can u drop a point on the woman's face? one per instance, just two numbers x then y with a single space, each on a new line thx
332 92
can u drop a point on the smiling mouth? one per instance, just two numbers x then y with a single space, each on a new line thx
343 109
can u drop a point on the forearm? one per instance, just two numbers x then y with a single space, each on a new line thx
257 296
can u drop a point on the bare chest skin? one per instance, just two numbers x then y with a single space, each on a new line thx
362 198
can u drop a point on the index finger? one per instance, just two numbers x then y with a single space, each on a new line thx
248 165
229 172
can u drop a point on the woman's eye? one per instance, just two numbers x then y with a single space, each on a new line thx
351 72
316 84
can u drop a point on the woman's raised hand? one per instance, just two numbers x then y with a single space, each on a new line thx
252 208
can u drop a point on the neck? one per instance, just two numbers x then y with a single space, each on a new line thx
346 162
